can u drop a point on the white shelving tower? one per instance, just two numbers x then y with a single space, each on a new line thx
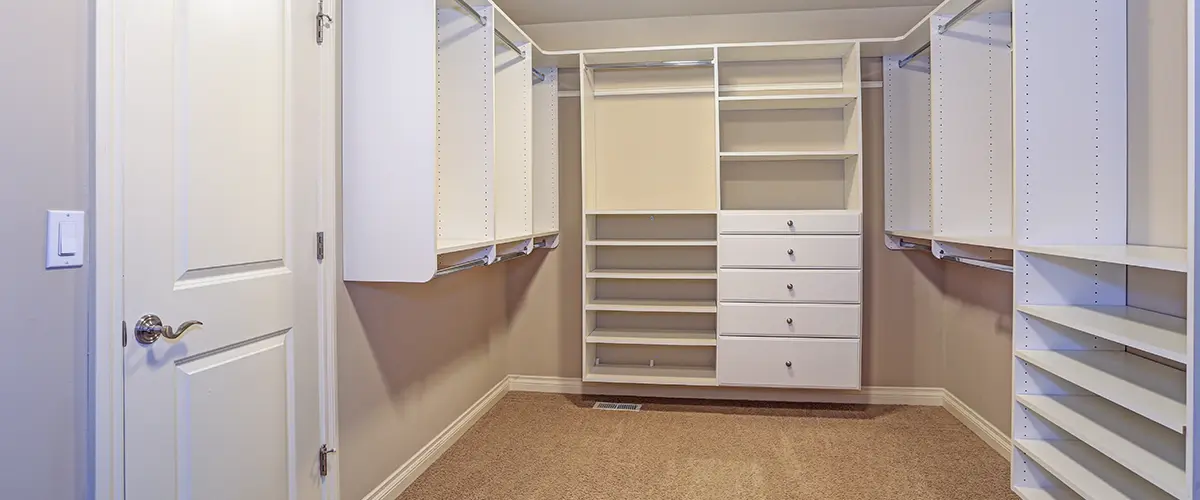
450 141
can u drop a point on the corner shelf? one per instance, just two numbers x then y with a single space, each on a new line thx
1164 258
691 338
781 102
1157 334
1149 389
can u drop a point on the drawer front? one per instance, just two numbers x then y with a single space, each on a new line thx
791 251
833 222
780 285
807 363
790 320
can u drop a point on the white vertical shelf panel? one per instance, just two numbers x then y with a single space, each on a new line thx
908 139
1071 130
972 125
513 181
388 132
545 153
465 92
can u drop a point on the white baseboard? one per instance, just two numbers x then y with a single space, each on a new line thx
395 484
981 427
910 396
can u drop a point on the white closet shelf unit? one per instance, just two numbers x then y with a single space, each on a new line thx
452 172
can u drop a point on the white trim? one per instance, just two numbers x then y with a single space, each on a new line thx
327 271
911 396
395 484
980 426
106 463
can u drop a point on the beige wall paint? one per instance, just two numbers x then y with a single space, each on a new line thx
44 136
768 27
977 334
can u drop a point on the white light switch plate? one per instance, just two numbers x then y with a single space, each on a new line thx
65 237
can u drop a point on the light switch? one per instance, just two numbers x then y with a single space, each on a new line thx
64 239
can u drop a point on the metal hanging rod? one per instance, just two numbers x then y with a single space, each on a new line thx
538 77
959 17
650 65
980 263
904 62
907 245
473 13
510 44
471 264
509 256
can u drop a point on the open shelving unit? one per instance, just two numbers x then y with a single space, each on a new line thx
487 190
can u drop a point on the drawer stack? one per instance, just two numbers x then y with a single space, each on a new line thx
790 291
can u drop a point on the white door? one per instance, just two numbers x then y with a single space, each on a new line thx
219 129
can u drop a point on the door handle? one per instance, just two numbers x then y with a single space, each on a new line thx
150 327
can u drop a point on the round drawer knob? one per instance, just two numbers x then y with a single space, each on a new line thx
791 252
788 364
790 287
789 320
790 223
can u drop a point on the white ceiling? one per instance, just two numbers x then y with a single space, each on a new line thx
561 11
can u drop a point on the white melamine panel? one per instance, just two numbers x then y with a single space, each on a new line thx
972 125
809 285
465 123
810 363
1148 331
807 251
1072 121
782 222
908 145
1167 259
790 320
388 134
513 139
545 153
1087 471
1059 281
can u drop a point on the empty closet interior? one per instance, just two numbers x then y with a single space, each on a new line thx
722 207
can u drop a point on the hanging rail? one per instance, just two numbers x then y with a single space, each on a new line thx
510 44
471 10
959 17
650 65
538 77
904 62
509 256
471 264
961 260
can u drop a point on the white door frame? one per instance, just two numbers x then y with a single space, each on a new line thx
106 354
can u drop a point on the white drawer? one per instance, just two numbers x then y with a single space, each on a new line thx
786 285
791 251
809 222
790 320
809 363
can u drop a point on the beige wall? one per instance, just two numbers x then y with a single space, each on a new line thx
770 27
44 138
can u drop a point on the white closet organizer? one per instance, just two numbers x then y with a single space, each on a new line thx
449 173
722 198
1100 404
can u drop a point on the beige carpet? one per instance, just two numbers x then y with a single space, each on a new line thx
539 446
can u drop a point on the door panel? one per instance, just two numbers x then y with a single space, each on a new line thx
219 121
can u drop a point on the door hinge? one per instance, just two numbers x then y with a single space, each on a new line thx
323 459
321 246
324 22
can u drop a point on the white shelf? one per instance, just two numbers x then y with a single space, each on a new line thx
796 101
1086 471
1145 448
820 87
448 245
1167 259
659 375
652 243
1003 242
652 212
652 91
1155 333
1149 389
693 338
651 274
1045 494
787 155
647 305
914 234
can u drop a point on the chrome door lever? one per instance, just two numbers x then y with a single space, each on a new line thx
150 327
